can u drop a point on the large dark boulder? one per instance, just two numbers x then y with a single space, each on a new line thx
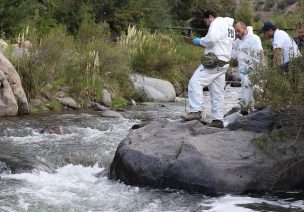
257 121
198 158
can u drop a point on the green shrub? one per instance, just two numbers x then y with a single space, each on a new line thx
269 4
155 57
244 13
82 75
281 89
284 93
282 4
99 63
44 61
119 102
188 59
53 105
89 31
85 65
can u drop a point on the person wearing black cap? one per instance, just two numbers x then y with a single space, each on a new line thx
285 48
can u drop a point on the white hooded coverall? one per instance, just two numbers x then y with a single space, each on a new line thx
248 51
218 40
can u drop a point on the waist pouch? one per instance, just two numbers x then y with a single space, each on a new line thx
210 60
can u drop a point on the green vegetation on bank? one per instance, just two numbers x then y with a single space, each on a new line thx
90 61
85 46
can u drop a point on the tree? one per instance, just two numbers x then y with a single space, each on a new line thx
143 13
69 13
16 15
244 13
301 10
222 7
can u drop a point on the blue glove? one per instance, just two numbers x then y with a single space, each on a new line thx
244 72
196 41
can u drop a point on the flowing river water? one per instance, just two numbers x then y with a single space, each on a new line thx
71 170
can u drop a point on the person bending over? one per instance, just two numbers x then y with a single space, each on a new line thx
285 48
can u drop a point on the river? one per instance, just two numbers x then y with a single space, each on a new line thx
71 170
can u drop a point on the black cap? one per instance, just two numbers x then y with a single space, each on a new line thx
268 25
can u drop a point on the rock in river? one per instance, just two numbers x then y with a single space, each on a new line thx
198 158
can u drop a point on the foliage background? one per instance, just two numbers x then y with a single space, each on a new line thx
87 45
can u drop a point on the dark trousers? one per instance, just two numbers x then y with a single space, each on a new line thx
285 67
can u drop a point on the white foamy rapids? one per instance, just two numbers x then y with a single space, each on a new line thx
69 186
231 203
76 188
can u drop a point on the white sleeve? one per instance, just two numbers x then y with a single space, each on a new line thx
257 44
212 36
235 46
278 41
256 52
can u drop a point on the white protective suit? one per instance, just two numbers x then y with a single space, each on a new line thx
218 40
249 54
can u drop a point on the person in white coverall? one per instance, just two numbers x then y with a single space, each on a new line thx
248 51
218 40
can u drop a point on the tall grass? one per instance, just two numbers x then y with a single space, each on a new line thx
161 55
281 89
44 61
85 64
91 61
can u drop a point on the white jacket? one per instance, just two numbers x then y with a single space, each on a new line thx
248 51
219 38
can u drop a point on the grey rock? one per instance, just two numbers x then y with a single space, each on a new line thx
60 94
140 125
53 130
198 158
15 82
106 98
15 164
68 102
155 89
257 121
98 107
3 45
46 94
132 102
8 104
111 114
